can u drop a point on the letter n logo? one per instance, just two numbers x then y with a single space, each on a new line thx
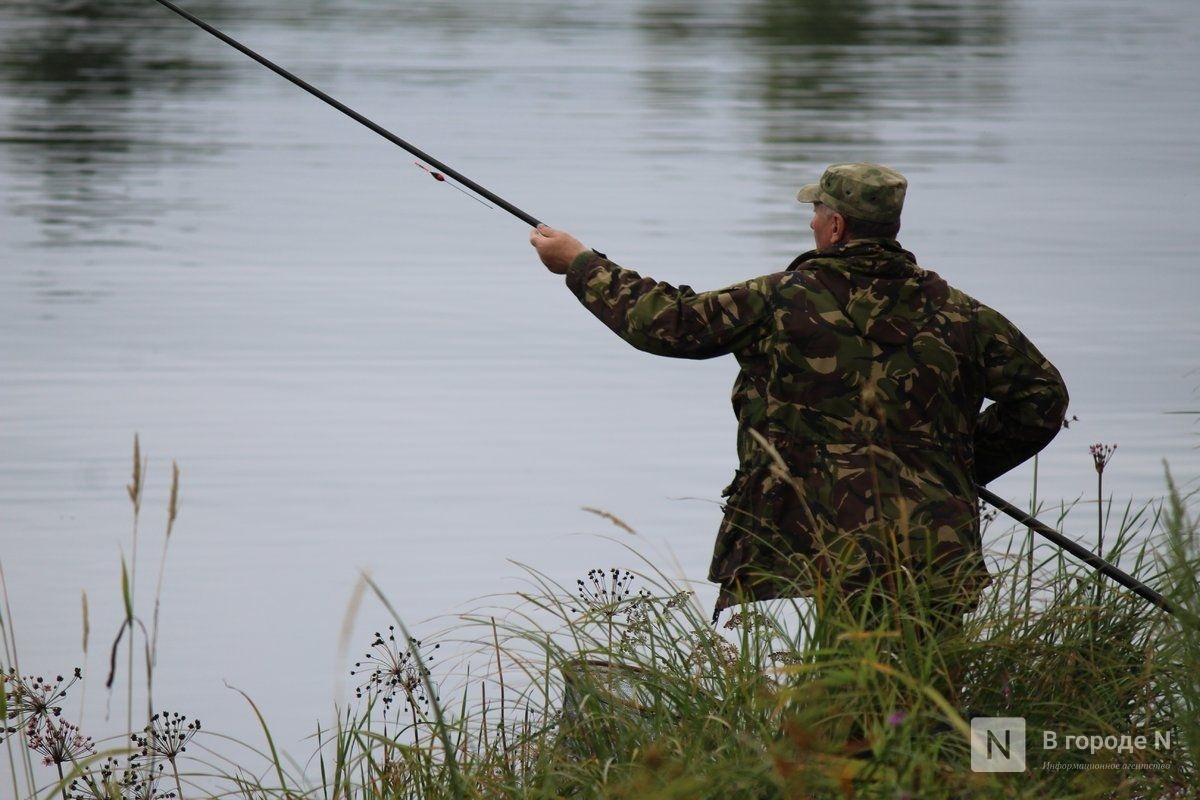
998 744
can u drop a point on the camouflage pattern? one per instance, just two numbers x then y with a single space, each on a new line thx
865 191
860 431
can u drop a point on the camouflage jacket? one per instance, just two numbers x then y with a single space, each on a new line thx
861 433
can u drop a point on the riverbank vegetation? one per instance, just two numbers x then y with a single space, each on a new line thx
619 686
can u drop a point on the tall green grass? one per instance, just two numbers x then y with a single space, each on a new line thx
618 686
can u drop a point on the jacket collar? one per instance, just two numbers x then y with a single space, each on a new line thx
858 248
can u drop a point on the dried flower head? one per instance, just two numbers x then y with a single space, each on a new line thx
137 780
748 620
709 650
637 609
99 783
32 697
677 600
392 670
604 592
167 735
786 657
1101 455
57 740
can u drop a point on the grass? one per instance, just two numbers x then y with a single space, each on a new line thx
620 687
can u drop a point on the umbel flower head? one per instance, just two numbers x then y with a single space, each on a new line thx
138 780
606 591
1101 455
167 735
57 740
31 697
393 671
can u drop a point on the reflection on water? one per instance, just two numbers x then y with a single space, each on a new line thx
822 72
86 83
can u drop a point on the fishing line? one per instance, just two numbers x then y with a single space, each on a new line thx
443 169
437 176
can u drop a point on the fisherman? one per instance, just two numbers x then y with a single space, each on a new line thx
861 428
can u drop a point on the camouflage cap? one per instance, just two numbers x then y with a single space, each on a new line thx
871 192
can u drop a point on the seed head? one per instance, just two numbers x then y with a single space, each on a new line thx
604 592
138 780
167 735
393 671
752 619
31 698
57 740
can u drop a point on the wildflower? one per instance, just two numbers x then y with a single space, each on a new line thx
97 784
1101 455
167 735
138 780
604 592
896 718
637 610
709 650
676 600
753 619
34 697
786 657
58 741
393 671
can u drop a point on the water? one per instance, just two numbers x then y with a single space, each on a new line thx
358 368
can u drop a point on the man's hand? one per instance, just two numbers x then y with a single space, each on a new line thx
557 249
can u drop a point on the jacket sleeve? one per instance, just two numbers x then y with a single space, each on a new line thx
666 320
1028 394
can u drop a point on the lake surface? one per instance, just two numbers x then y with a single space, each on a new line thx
359 368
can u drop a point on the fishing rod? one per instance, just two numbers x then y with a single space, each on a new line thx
1082 553
443 169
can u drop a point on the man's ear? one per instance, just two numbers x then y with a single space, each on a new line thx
837 227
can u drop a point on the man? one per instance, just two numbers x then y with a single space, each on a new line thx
861 433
